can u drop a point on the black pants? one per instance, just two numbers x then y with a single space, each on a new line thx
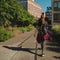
43 46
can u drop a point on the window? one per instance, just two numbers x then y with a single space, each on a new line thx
57 16
57 5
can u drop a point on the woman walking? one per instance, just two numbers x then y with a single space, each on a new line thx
42 34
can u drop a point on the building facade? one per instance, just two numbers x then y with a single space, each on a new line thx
48 14
32 7
56 11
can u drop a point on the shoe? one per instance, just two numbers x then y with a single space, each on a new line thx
43 55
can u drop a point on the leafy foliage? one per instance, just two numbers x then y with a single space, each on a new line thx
4 35
12 13
28 28
56 33
56 29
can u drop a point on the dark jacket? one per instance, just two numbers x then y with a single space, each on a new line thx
42 28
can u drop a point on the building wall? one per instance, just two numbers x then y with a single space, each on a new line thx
56 11
32 7
48 15
31 0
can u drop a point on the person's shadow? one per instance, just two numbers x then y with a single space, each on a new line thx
30 50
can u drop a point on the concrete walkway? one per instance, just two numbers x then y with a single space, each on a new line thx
23 47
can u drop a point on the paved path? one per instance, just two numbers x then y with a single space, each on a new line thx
23 47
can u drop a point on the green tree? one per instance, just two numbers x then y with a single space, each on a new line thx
12 12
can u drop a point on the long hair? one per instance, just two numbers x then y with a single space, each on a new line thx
43 18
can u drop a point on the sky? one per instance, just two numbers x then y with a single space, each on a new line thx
44 4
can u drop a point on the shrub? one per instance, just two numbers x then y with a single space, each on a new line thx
30 27
56 29
12 12
4 35
56 33
24 29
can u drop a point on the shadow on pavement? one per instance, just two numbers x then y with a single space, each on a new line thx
53 46
53 43
24 49
57 57
55 49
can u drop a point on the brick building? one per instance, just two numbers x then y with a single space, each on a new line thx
32 7
56 11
